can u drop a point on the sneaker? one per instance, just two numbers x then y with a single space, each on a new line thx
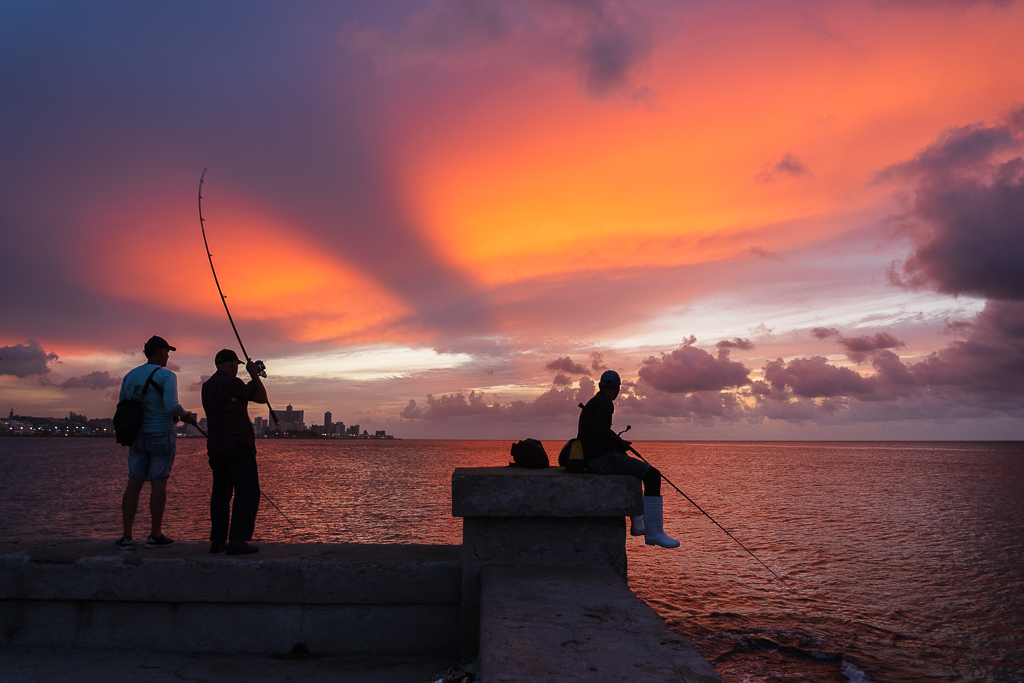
217 547
158 542
125 543
243 548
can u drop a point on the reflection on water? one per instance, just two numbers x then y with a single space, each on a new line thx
908 555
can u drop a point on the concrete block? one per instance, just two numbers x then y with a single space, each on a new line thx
568 624
334 598
234 627
313 573
548 492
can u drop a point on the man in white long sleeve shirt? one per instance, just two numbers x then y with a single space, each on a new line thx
151 455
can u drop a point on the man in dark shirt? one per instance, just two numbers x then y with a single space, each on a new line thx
231 447
604 452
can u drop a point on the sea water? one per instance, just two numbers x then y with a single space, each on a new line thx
903 560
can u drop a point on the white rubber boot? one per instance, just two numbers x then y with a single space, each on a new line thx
636 525
653 521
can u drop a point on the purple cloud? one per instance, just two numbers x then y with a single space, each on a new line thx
815 377
787 165
567 365
96 381
689 369
22 360
967 213
562 380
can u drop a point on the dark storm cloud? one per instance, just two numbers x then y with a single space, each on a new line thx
689 369
22 360
605 42
989 362
967 217
566 365
96 381
612 47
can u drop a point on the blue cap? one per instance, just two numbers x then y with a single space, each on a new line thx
609 378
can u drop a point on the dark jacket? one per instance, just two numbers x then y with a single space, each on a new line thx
595 428
226 400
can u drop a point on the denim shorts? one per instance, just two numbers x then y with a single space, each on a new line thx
618 463
151 455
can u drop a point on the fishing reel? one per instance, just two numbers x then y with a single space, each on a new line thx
262 367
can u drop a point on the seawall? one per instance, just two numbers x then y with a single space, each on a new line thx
537 590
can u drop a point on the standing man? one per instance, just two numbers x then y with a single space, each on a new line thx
151 455
231 447
604 452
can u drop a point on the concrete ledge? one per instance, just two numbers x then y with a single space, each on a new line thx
232 627
576 623
332 598
306 573
548 492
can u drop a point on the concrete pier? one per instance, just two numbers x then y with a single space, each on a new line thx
547 516
577 624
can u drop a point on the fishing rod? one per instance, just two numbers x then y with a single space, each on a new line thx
224 300
781 580
261 490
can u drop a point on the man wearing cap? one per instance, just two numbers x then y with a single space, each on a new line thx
231 447
604 452
151 455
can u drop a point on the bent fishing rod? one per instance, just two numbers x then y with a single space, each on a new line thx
781 580
224 300
261 490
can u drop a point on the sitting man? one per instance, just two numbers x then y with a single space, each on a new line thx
604 452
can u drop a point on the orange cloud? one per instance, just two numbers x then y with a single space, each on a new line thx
774 121
269 270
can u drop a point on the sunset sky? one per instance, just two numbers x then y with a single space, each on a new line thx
776 220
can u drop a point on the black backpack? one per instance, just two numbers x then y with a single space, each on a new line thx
129 413
529 453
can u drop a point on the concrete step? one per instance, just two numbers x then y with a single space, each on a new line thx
573 623
325 598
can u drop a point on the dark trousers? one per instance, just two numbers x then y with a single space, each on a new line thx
234 470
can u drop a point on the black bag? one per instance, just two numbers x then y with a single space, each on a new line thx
571 456
129 413
529 453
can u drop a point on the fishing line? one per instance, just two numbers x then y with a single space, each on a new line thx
667 480
224 299
261 490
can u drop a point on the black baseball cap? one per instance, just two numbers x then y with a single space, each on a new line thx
226 356
156 343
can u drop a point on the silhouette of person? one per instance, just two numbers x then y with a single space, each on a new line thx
152 453
231 447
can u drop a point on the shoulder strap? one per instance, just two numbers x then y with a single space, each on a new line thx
149 381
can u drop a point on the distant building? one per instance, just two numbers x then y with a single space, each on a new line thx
328 425
353 430
290 420
259 426
339 429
